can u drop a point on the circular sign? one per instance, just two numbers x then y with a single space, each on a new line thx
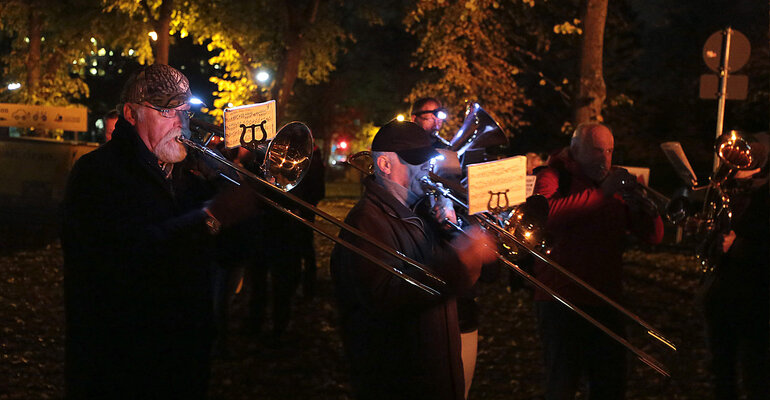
740 49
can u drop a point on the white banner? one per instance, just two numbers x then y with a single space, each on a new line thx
44 117
249 125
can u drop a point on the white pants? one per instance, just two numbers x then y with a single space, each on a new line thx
470 344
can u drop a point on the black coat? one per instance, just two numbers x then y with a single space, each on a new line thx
401 342
137 291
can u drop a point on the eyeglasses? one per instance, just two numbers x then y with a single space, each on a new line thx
440 113
170 112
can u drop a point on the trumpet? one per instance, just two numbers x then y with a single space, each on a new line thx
529 238
674 210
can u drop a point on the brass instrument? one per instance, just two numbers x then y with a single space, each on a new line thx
528 238
519 234
287 156
735 154
674 210
478 132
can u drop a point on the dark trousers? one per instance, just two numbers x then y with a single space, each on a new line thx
307 255
575 348
283 265
738 334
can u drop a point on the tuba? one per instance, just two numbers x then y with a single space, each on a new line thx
478 133
735 154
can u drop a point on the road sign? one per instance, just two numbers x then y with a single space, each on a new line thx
44 117
737 87
740 50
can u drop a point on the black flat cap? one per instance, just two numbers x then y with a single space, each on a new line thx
406 139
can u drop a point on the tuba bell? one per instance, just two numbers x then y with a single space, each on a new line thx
478 133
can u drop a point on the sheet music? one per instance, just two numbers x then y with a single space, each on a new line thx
250 124
678 160
497 184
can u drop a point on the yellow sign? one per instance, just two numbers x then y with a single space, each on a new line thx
44 117
249 125
497 185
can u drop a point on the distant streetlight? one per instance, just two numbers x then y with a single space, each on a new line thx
153 36
263 76
14 86
400 118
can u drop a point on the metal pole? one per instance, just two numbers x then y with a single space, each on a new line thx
722 94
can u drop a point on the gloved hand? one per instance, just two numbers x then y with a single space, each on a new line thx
234 204
618 179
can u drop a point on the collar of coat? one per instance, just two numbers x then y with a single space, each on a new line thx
126 135
388 202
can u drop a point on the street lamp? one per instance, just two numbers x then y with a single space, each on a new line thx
263 76
400 118
14 86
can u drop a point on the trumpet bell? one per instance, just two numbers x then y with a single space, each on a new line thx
288 156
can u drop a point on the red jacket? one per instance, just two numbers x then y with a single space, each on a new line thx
589 231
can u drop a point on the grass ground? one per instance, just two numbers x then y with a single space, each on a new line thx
661 286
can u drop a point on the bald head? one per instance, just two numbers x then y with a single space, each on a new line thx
591 146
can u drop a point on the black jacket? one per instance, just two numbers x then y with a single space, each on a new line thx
136 259
401 342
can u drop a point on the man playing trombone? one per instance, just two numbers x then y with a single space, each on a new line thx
403 342
137 243
590 213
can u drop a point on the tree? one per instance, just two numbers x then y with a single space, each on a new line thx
295 40
591 88
466 52
163 17
44 48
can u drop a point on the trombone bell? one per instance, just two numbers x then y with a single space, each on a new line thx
288 156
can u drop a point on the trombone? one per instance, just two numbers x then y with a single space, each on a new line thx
531 243
287 156
489 222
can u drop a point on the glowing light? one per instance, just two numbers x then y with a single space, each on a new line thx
343 145
102 52
93 71
14 86
93 41
195 101
263 76
153 36
400 118
441 115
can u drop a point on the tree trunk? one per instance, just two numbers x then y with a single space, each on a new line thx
288 69
34 55
161 26
592 91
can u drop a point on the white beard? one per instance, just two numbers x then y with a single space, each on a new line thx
169 150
